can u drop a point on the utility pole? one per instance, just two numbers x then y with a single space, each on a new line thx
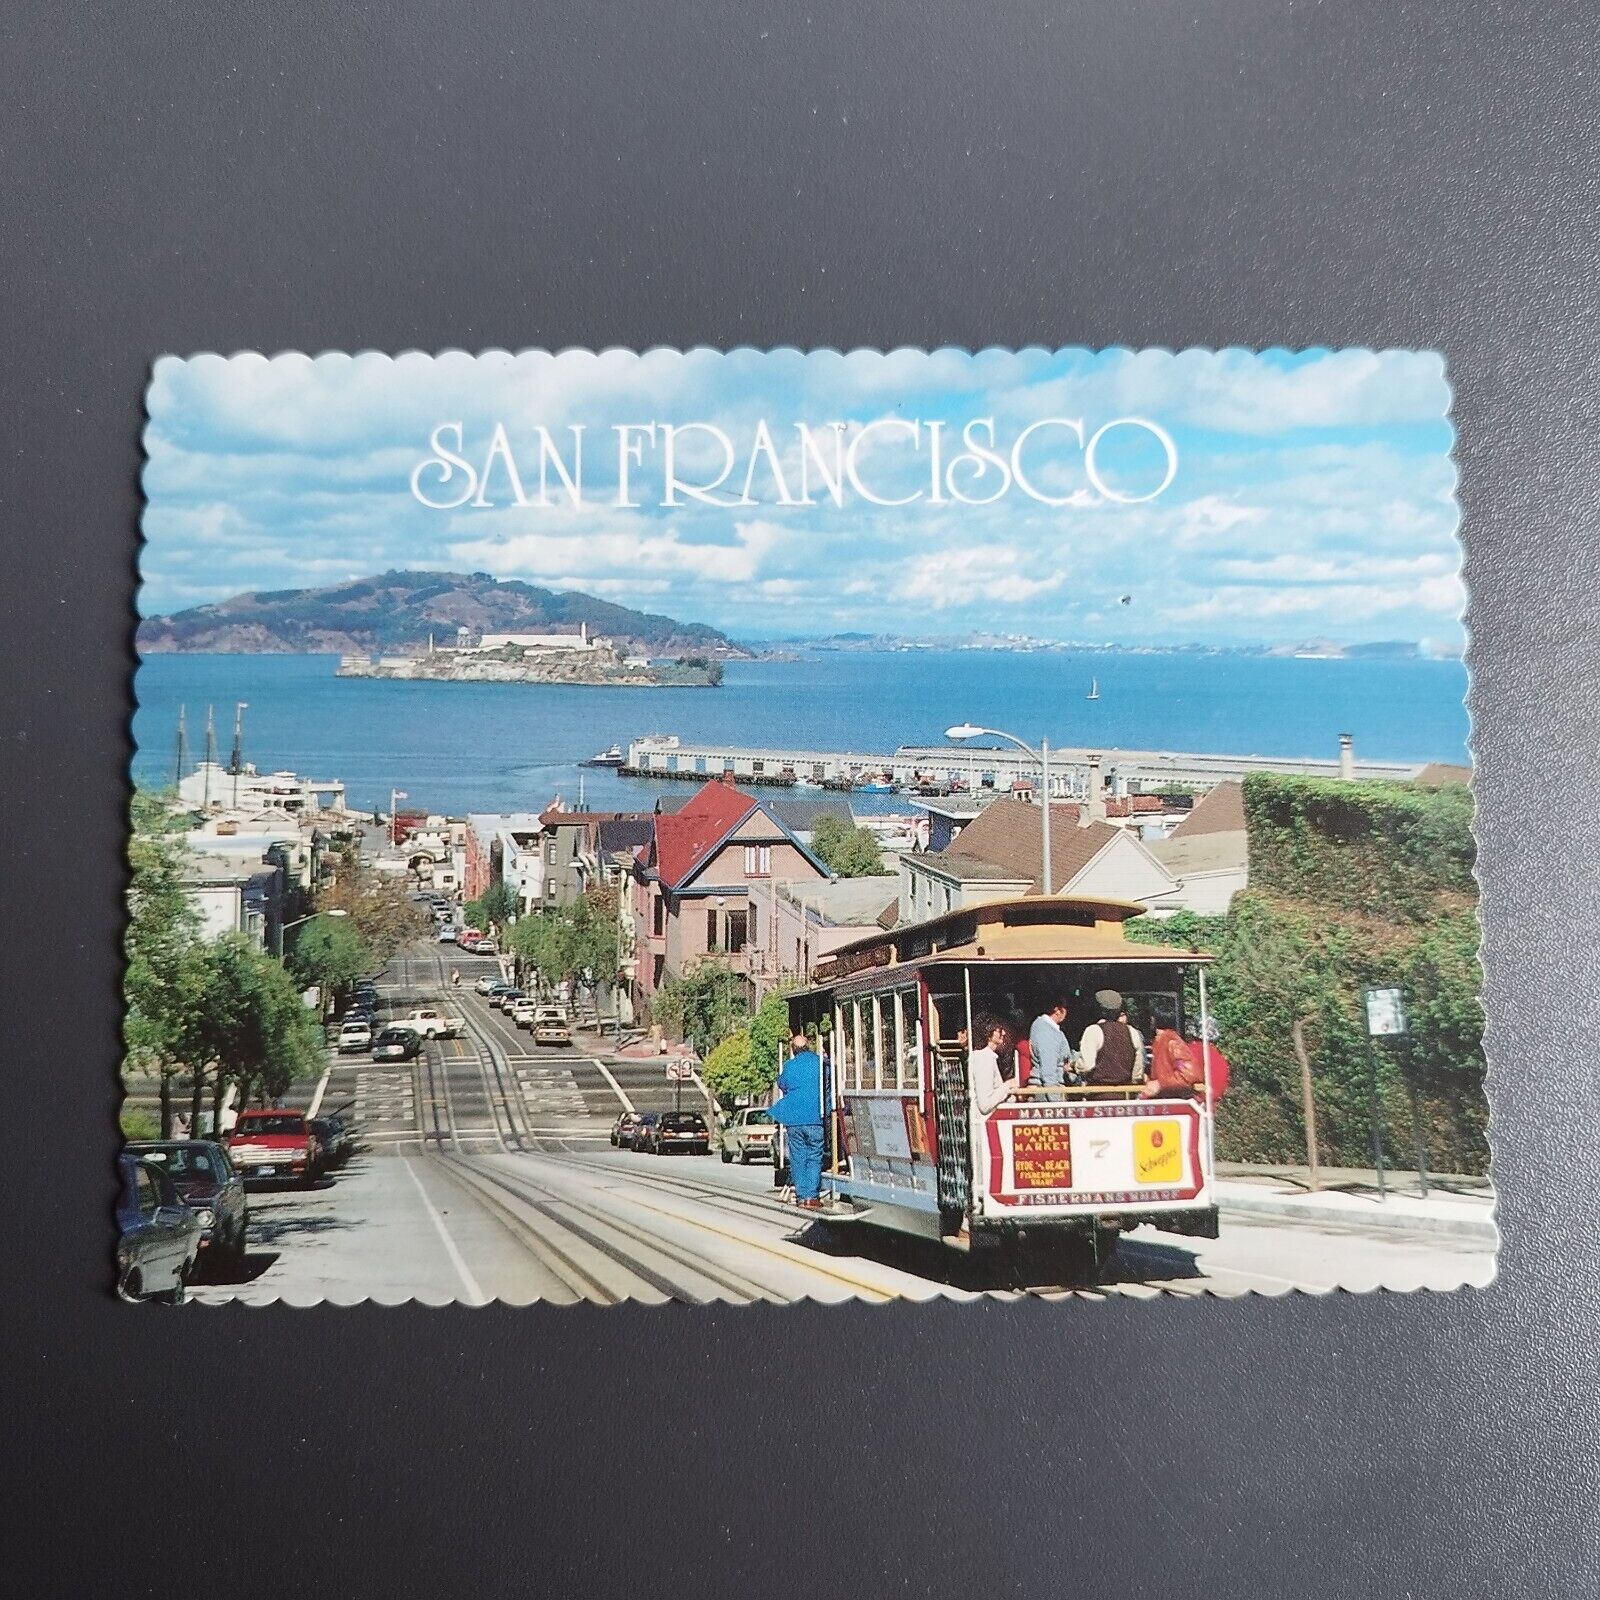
183 749
1044 781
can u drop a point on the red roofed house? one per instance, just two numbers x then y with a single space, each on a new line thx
691 882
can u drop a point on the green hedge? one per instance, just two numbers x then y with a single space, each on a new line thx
1384 848
1351 885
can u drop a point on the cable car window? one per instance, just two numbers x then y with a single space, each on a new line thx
879 1077
849 1055
909 1033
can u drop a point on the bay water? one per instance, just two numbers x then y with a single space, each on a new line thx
458 747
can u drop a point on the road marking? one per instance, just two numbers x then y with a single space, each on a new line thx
321 1089
475 1295
605 1072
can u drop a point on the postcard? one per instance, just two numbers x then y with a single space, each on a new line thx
773 826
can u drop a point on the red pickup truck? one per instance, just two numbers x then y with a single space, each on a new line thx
274 1144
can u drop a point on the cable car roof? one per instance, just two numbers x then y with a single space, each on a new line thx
1032 928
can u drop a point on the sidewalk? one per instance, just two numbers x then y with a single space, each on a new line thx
1456 1207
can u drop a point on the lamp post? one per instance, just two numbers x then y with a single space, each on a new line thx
968 730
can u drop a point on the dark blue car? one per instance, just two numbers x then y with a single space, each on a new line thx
159 1241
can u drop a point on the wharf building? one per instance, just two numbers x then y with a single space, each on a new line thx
975 770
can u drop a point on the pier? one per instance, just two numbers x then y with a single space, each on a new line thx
952 768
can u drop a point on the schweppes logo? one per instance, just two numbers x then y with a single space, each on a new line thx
1158 1151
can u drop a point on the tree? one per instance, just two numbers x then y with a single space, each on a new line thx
332 953
160 988
727 1071
846 851
575 945
499 903
769 1031
703 1006
378 909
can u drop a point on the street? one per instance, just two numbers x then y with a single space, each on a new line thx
484 1172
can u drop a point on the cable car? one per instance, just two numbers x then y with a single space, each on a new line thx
1077 1165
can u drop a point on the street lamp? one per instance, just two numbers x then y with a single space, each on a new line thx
284 927
969 730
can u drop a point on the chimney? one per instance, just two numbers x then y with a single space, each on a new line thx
1347 757
727 776
1094 807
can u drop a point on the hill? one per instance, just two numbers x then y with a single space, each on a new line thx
398 610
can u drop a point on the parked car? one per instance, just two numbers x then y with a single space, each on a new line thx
523 1011
447 934
333 1142
488 983
550 1026
355 1034
274 1144
397 1044
206 1182
639 1132
747 1137
344 1138
159 1236
504 998
675 1131
622 1129
485 947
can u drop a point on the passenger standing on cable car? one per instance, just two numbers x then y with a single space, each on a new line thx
1048 1046
802 1113
1112 1053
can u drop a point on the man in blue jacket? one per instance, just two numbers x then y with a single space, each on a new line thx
803 1113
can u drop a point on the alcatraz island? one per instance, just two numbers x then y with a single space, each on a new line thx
568 657
454 628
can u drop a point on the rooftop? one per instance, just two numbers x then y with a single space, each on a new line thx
1221 810
845 902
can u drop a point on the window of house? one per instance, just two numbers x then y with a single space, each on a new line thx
738 931
658 967
658 922
711 930
757 860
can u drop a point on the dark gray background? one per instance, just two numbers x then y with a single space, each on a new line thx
185 177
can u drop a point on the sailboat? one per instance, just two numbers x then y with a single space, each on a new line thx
1094 689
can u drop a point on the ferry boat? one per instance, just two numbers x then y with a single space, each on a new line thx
612 757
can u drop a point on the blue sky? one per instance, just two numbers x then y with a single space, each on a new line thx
1314 493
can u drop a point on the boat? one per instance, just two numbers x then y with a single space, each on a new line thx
606 758
1094 689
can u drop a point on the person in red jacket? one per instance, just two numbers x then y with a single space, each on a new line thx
1180 1067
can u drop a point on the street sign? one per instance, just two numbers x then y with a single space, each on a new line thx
680 1070
1386 1012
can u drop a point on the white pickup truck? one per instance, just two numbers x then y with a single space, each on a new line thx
433 1023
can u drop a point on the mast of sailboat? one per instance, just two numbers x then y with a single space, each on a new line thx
1094 689
183 749
236 760
211 756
